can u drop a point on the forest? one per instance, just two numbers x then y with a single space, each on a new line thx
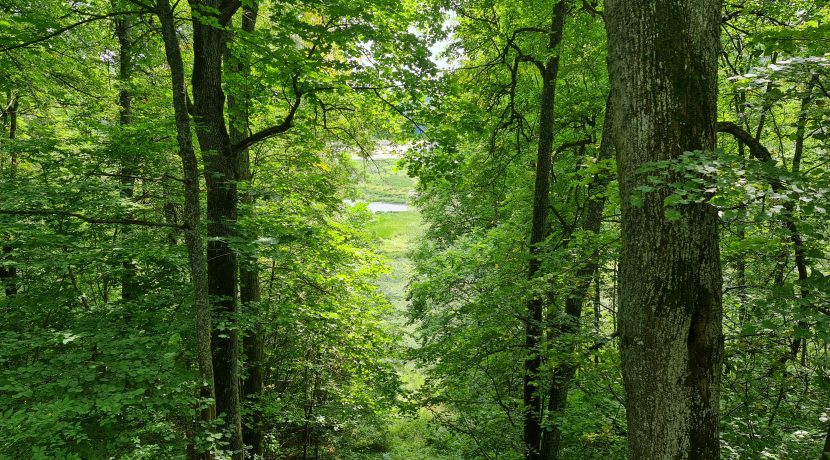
415 229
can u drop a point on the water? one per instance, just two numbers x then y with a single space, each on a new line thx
381 206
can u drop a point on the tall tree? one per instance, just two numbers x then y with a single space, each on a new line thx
192 211
662 63
539 230
209 44
568 326
249 285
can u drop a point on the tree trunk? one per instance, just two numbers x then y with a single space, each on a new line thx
538 232
192 211
249 288
569 326
789 214
8 273
209 43
123 31
662 61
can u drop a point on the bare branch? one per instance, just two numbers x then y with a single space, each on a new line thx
268 133
67 28
756 148
89 220
400 112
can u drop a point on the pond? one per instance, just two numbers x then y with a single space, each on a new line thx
381 206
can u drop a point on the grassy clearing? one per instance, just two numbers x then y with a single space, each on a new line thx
396 232
381 180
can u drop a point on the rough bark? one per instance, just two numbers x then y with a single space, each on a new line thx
192 210
569 326
220 162
663 70
532 398
249 287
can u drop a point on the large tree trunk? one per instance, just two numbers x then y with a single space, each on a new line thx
570 325
192 211
209 44
663 69
249 288
538 232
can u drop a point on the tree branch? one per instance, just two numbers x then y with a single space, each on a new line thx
756 148
572 144
399 111
90 220
273 130
67 28
228 9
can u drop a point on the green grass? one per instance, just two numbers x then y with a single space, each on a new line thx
395 233
381 180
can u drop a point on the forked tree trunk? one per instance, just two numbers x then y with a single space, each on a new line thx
8 272
220 161
662 62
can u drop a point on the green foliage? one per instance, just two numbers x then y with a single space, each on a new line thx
390 335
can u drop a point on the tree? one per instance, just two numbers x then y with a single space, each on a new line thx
662 63
197 261
534 434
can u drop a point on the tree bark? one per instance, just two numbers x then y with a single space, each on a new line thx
532 398
563 374
220 161
192 211
662 61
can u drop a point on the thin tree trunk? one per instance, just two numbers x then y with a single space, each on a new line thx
662 61
192 211
249 287
8 273
123 31
564 373
538 232
799 250
220 161
788 215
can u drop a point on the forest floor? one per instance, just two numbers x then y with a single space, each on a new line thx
409 437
